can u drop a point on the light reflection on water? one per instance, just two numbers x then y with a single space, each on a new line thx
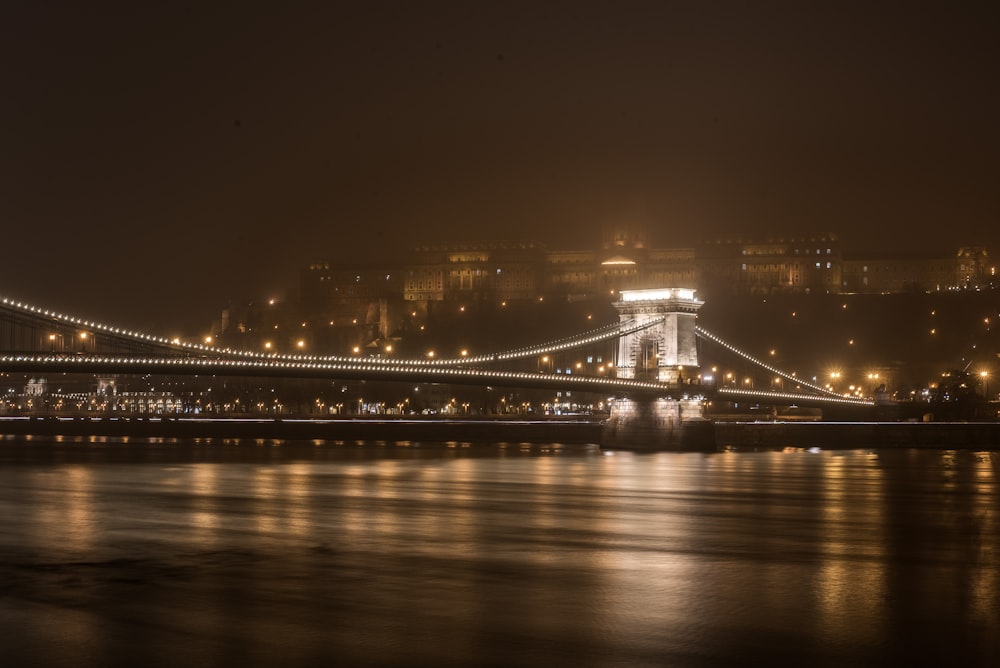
291 553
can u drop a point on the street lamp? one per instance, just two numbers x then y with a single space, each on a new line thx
985 375
544 365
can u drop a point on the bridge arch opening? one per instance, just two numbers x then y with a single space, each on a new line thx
647 358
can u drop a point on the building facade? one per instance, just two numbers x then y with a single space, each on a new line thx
363 308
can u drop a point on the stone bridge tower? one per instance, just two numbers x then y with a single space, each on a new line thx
666 351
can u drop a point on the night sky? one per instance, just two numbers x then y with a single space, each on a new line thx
157 162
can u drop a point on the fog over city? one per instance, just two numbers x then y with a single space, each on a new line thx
162 161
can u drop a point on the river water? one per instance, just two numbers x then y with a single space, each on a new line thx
264 553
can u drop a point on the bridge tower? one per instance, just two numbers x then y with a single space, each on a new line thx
665 351
662 351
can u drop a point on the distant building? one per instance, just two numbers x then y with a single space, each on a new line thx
969 268
622 263
365 308
335 292
36 387
474 272
796 264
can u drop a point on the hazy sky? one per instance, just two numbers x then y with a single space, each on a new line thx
158 161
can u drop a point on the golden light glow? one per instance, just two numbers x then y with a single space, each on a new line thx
686 294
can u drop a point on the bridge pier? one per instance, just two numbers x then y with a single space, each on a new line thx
658 424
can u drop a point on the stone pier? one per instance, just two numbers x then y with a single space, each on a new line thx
658 424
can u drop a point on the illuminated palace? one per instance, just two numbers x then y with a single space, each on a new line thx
381 300
732 265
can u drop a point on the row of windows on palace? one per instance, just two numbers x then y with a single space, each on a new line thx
499 274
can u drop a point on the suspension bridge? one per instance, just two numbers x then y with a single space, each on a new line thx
658 347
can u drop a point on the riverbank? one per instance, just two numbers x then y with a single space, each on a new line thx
552 429
545 429
959 435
